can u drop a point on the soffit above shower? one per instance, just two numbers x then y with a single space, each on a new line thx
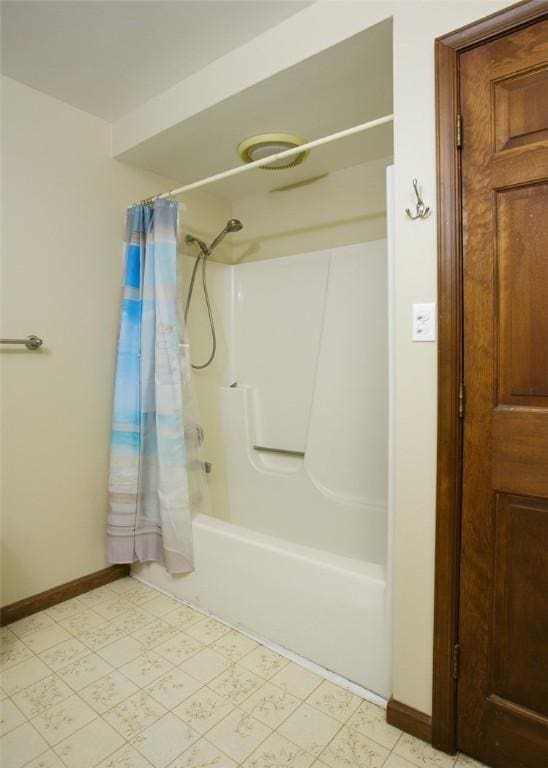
109 56
344 85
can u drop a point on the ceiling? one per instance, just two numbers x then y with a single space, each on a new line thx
109 56
347 84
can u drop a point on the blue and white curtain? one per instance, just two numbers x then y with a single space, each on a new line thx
156 476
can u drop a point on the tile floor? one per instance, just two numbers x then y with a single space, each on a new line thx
126 677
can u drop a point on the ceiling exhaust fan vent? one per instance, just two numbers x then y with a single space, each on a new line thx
265 144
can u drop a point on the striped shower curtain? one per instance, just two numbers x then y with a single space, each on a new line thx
155 470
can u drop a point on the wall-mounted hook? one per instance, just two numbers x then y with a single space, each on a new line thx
422 210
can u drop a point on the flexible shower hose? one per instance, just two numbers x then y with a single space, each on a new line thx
203 258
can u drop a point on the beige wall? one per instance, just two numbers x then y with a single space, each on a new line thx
416 25
64 203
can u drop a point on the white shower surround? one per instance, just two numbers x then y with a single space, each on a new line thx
315 580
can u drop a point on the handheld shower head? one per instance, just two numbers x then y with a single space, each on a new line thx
233 225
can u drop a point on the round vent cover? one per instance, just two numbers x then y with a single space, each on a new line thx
265 144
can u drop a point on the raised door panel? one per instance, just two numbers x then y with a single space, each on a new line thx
519 651
522 266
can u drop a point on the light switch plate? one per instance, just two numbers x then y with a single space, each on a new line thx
424 322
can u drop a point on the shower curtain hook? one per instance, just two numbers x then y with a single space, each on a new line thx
422 210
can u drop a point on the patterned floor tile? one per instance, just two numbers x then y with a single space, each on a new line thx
121 651
165 740
139 594
108 691
21 745
349 749
207 631
125 757
6 636
334 701
182 617
56 723
233 645
97 596
203 709
310 729
66 610
145 668
279 751
395 761
39 696
10 717
134 714
133 619
111 606
173 688
13 653
64 654
46 638
271 705
120 586
154 634
370 720
202 754
84 671
31 624
84 621
89 745
236 684
46 760
206 665
160 605
264 662
102 635
179 648
298 681
20 676
238 735
422 754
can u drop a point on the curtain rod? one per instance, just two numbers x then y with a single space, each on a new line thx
271 158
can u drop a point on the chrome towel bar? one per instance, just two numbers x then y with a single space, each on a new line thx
31 342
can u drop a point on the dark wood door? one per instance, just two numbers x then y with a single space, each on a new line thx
503 612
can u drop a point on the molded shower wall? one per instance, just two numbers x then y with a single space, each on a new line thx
304 338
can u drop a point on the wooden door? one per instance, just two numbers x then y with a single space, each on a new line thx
502 698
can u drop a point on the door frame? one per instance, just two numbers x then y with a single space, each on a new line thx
448 50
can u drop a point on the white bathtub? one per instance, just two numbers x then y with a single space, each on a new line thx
329 609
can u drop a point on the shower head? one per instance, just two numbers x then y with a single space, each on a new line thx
232 225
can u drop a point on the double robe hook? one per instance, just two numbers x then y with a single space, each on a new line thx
422 210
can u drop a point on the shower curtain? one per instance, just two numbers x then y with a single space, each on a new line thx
156 475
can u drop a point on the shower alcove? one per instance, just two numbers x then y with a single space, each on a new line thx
295 407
